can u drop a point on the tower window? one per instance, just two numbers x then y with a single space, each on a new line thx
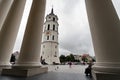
48 27
56 46
43 46
53 37
53 27
53 19
55 54
43 52
47 37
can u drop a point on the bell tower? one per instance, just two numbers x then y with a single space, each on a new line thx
49 47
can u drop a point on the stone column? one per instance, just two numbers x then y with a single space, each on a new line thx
105 30
28 63
9 31
4 8
30 50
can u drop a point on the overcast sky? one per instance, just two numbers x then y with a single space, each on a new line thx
74 33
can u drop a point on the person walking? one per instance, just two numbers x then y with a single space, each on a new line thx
70 64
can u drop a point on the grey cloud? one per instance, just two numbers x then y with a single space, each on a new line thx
69 5
77 43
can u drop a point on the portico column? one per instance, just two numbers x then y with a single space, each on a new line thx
9 31
30 50
4 8
105 30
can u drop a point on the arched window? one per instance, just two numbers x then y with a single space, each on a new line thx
53 37
48 27
53 27
43 46
53 19
55 54
47 37
55 46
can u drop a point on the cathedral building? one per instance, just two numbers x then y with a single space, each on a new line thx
50 45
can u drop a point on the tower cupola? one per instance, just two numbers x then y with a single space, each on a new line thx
52 16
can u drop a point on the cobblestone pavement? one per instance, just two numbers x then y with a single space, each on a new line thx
56 72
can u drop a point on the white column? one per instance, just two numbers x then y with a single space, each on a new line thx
30 50
105 30
4 8
9 31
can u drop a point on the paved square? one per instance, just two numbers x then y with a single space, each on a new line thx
56 72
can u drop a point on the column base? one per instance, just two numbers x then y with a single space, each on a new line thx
105 76
108 71
24 72
5 67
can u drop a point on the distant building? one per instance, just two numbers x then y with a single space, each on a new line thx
77 57
88 57
50 46
83 57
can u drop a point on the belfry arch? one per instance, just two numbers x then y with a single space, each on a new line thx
104 25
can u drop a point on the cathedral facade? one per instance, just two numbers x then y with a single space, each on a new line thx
50 45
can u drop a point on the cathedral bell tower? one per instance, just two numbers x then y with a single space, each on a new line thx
49 47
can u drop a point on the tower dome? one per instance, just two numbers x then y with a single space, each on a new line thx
49 47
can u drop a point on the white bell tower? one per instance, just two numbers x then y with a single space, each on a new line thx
49 47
